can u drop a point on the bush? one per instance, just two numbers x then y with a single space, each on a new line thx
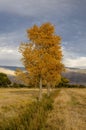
4 80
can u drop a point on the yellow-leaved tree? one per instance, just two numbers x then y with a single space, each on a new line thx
42 56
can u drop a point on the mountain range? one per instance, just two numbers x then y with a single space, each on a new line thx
75 75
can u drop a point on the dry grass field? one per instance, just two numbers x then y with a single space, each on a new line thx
69 111
13 100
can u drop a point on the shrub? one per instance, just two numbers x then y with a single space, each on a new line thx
4 80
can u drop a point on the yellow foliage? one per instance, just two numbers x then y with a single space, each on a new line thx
42 56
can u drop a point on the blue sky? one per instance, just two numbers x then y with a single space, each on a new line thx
68 17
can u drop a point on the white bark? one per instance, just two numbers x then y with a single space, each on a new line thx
40 89
48 89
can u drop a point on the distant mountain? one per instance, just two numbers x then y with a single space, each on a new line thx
75 70
6 71
75 75
10 71
11 67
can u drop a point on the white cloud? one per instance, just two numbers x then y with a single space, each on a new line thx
9 44
6 50
10 56
70 59
77 62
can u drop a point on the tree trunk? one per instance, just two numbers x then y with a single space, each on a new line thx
40 89
48 89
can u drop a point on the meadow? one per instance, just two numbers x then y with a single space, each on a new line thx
12 100
12 103
68 112
20 109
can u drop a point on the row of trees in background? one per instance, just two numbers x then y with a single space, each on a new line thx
5 82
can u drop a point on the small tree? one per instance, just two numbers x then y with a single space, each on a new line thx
42 55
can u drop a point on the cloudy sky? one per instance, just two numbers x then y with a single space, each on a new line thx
68 16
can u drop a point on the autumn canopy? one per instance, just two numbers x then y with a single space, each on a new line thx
42 56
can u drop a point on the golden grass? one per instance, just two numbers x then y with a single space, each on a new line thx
69 111
19 109
12 100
